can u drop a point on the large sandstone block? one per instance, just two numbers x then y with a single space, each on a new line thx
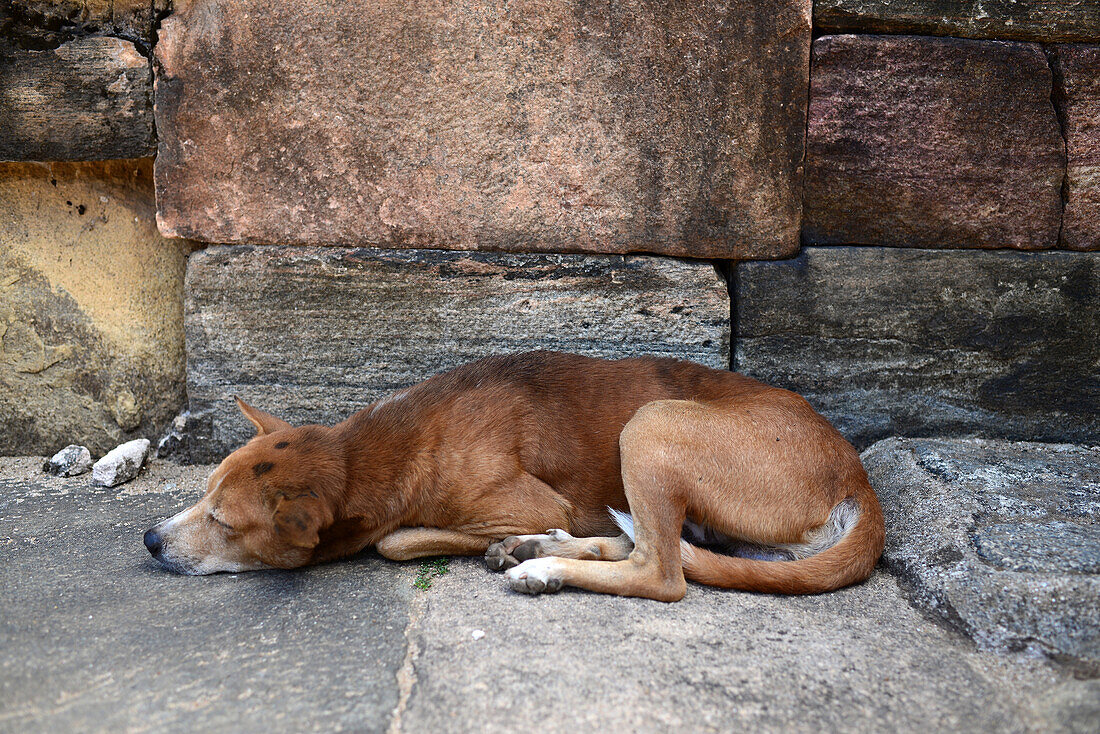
1021 20
556 126
314 334
91 308
87 99
1077 67
893 341
932 142
999 539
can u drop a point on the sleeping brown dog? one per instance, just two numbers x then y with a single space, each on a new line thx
708 476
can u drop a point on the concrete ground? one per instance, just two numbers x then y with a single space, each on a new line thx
95 637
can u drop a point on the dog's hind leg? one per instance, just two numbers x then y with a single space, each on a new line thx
406 543
516 549
657 477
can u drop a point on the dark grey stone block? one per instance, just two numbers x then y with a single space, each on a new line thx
314 334
88 99
894 341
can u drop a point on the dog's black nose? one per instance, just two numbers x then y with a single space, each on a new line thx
152 541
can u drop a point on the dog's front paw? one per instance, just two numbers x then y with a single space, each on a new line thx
537 576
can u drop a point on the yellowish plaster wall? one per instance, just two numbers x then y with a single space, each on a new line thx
91 306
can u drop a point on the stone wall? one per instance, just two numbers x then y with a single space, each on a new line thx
392 190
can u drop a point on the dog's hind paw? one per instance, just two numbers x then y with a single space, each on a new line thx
499 559
537 576
515 549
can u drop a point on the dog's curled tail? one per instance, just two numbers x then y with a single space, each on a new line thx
850 560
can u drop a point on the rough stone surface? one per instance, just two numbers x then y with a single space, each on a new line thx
87 99
932 142
1077 71
91 307
98 638
1000 539
173 443
120 464
314 334
47 24
69 462
860 660
88 623
553 126
1021 20
892 341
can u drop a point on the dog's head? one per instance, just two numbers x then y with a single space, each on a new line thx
264 506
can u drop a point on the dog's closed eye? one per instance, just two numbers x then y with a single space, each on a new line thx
225 525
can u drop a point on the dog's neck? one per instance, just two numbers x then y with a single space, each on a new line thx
390 470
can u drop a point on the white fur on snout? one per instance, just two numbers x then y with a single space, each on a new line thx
168 525
547 570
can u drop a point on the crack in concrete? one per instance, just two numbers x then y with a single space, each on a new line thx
406 674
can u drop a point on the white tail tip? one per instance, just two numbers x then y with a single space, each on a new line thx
624 521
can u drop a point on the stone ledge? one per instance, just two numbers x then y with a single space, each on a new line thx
999 539
87 622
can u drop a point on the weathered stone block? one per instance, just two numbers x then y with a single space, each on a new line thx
314 334
893 341
91 307
529 126
1077 68
46 24
999 539
87 99
1027 20
932 142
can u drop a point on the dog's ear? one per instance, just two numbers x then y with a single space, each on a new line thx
299 520
265 422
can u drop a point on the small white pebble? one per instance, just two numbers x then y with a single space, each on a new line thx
121 464
477 634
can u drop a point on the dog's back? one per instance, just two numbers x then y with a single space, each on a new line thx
560 414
